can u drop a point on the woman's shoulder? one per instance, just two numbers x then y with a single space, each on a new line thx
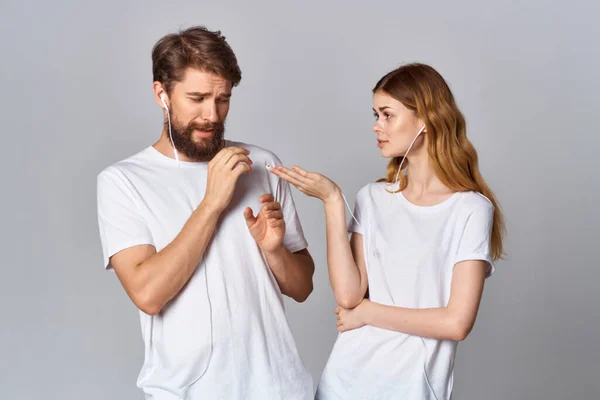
374 195
471 201
373 190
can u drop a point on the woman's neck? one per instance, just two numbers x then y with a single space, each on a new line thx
423 184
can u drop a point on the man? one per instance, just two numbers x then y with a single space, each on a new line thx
178 226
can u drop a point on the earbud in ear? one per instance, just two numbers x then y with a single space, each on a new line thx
162 98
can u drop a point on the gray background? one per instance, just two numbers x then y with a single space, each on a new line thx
77 96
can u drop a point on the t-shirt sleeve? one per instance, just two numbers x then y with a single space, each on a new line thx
294 239
120 222
475 242
359 215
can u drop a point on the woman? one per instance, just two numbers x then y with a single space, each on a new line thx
409 283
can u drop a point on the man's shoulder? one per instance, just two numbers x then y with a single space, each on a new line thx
119 168
257 153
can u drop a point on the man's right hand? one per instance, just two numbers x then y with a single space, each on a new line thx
223 172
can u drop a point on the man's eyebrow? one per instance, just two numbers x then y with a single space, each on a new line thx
198 94
201 94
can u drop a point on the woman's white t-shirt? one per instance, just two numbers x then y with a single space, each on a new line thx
410 253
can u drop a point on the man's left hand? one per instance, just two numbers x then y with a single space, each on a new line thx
268 228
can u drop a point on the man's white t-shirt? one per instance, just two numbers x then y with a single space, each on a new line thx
410 254
225 335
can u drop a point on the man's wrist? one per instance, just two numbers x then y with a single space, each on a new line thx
278 251
210 207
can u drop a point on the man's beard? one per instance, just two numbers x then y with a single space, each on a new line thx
204 149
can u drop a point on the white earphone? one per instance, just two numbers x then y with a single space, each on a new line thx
385 280
397 175
406 154
164 102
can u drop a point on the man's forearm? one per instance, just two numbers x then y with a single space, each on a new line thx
293 272
165 273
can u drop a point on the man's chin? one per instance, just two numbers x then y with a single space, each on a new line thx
207 148
203 144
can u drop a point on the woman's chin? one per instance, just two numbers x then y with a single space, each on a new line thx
386 154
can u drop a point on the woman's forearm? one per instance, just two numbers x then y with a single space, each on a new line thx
344 273
438 323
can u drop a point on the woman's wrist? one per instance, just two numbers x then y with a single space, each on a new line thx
334 197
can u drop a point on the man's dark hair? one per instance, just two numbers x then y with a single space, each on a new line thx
195 47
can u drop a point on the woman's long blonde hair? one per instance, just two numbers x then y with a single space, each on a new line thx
451 155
